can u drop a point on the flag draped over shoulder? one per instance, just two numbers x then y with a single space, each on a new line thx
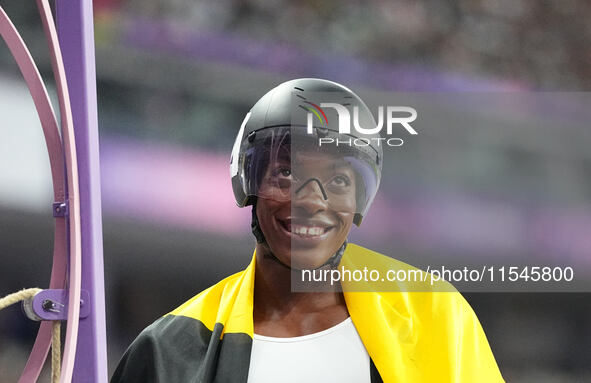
427 336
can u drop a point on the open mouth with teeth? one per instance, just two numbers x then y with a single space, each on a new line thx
305 230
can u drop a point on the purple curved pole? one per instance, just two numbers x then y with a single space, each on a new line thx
76 35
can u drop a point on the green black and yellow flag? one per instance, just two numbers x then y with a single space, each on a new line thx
410 336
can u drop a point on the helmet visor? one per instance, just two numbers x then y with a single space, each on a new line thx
282 164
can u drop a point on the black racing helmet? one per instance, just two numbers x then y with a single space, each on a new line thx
301 116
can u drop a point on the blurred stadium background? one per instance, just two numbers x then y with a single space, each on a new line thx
175 79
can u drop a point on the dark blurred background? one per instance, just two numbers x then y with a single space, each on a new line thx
175 79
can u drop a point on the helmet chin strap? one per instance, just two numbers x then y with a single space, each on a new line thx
333 261
254 224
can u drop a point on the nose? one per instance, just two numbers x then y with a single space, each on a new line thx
311 196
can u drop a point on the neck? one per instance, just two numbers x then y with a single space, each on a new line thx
273 292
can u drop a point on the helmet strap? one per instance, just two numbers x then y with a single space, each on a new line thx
334 261
254 224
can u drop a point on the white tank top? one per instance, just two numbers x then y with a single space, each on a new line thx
333 355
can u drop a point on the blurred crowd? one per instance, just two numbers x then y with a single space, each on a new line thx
541 43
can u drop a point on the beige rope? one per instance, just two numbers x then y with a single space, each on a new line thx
13 298
55 352
25 294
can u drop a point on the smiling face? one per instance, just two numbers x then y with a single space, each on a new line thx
308 208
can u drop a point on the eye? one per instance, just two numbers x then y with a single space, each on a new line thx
282 177
282 172
341 181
